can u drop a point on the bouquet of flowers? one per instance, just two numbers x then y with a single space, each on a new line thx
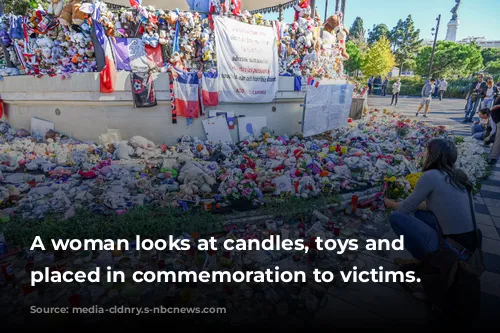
239 189
397 188
402 129
413 179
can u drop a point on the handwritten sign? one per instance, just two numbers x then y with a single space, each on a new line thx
247 61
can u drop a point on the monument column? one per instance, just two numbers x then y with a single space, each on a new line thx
451 34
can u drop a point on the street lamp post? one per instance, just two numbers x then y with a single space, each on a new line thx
434 46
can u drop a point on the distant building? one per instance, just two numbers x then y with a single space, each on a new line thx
481 41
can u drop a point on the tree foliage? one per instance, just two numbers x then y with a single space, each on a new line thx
450 59
355 58
20 7
357 29
490 54
379 58
406 42
377 33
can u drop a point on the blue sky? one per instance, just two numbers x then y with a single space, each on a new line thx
478 18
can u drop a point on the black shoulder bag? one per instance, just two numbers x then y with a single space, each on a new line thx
439 270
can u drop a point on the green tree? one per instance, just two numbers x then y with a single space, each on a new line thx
20 7
494 67
357 30
379 58
450 59
377 33
397 34
406 42
355 58
490 54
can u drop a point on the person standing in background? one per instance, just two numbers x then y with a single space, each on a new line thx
370 85
377 84
477 91
384 85
490 94
436 88
443 85
396 88
426 97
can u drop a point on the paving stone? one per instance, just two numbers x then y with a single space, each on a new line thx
491 202
479 200
497 178
481 209
489 231
496 221
492 262
490 188
489 194
491 182
491 246
494 211
490 283
484 219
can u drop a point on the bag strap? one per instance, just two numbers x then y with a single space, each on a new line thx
473 222
472 211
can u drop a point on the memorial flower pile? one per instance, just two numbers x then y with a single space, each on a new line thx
413 179
402 129
239 188
397 188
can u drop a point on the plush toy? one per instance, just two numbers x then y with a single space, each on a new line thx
81 12
193 173
55 7
67 14
150 37
334 26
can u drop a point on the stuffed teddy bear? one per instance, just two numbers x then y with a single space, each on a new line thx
334 26
67 14
81 12
192 173
55 7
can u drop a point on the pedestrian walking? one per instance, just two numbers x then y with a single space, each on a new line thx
384 85
443 86
426 97
396 88
477 91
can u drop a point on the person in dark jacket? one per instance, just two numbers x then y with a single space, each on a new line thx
477 91
377 85
384 85
370 85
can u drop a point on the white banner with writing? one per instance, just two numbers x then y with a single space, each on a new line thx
247 61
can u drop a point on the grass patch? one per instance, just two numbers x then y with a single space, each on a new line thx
148 221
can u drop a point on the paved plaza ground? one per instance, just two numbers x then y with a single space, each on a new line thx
372 304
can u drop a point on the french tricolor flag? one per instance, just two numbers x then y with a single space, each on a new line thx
312 82
135 3
210 89
107 76
186 100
